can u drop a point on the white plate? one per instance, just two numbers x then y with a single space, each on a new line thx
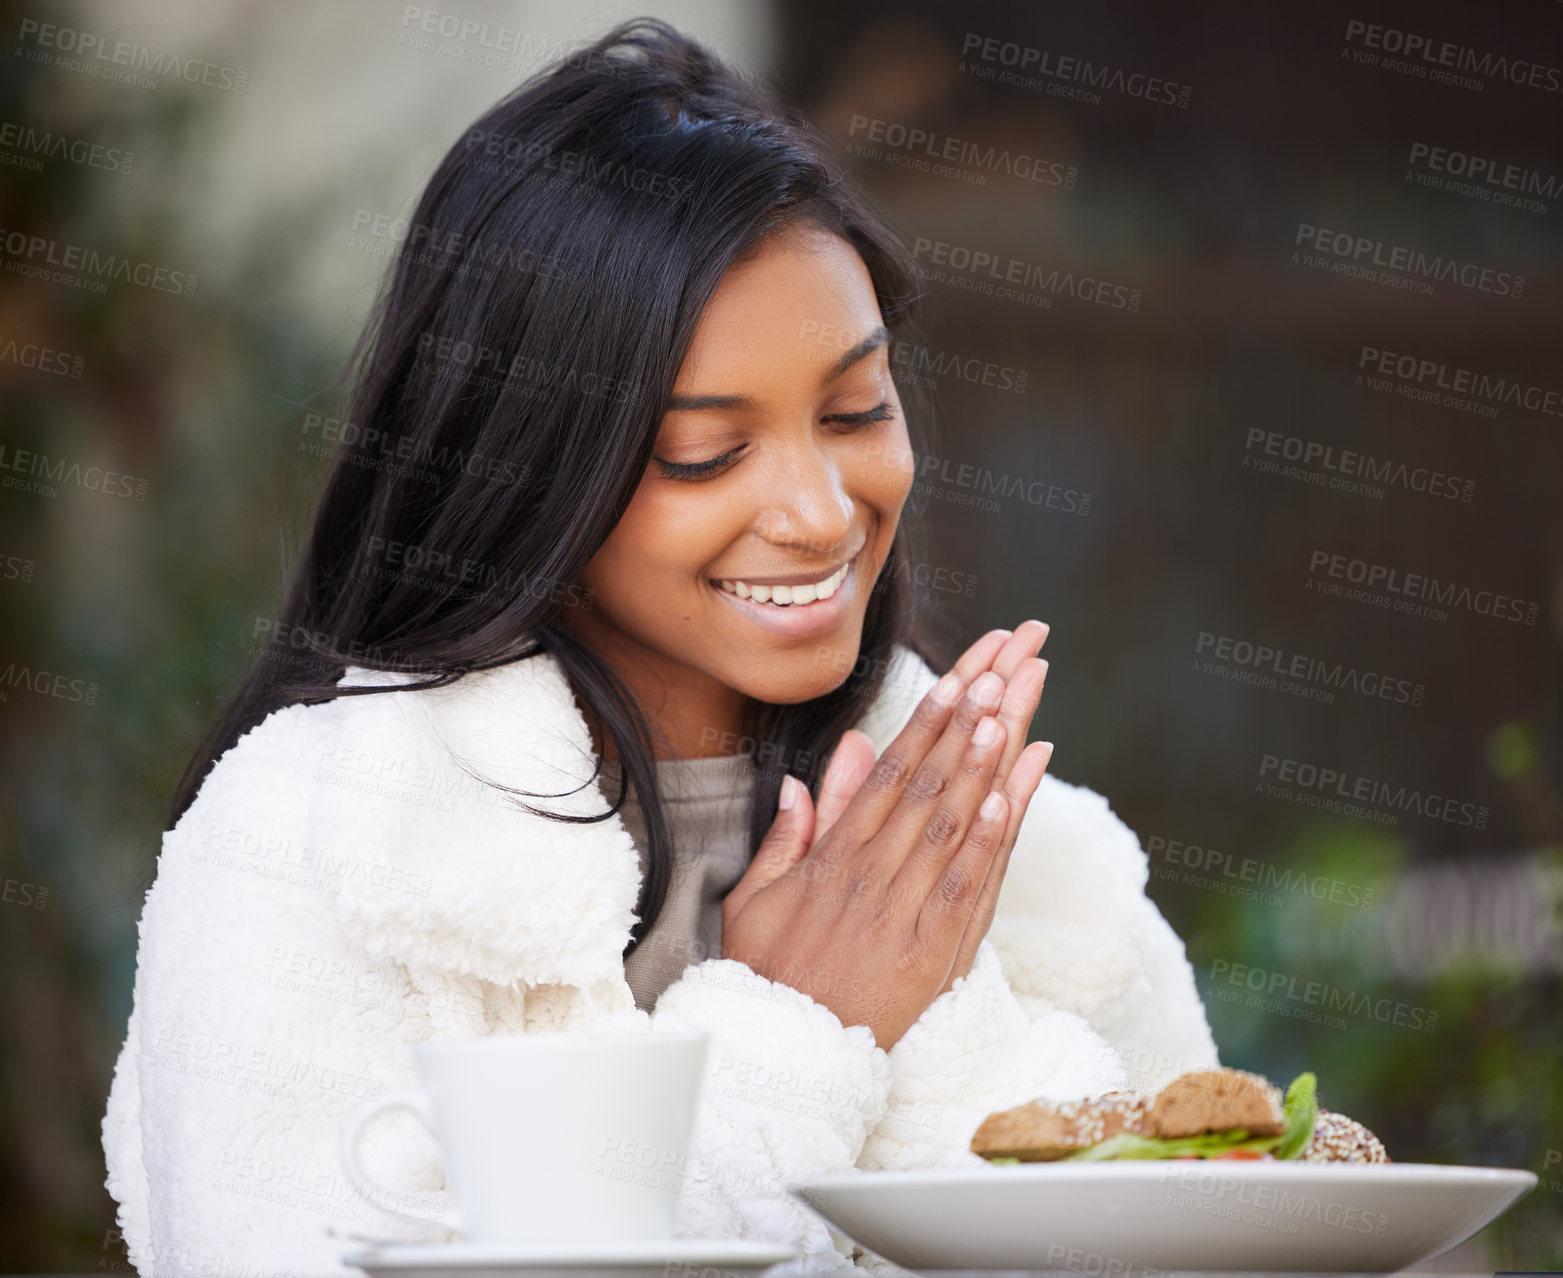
1108 1218
651 1259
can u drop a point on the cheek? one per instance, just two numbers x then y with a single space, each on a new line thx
886 470
631 553
665 537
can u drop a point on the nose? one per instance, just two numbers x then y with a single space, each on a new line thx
807 506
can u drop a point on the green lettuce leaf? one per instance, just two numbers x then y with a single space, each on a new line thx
1128 1145
1300 1108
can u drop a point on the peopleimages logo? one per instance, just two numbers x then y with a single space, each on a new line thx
1259 663
1315 782
1435 382
1063 75
82 267
45 684
976 269
1399 587
1406 267
921 366
1553 1159
1247 877
913 363
925 151
57 470
1285 994
525 375
1346 469
1481 178
534 160
970 485
120 60
27 143
43 359
1437 60
382 235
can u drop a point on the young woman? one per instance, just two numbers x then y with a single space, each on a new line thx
597 699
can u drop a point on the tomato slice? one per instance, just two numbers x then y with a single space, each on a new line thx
1257 1154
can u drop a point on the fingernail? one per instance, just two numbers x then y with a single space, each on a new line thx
789 793
987 731
947 689
991 806
987 690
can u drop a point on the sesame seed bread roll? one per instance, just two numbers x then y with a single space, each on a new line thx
1041 1131
1338 1139
1192 1105
1217 1100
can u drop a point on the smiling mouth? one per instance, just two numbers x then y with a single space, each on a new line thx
787 596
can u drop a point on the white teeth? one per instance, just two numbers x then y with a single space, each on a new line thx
787 596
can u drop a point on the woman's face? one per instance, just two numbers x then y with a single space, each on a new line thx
783 460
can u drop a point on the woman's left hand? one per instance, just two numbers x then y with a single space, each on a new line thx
855 756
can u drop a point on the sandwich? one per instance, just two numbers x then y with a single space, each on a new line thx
1209 1113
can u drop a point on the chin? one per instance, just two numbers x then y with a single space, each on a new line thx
808 672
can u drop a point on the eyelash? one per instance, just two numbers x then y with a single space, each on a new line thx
699 470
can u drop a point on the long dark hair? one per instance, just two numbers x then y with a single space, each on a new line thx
509 386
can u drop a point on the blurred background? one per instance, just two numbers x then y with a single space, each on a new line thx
1272 436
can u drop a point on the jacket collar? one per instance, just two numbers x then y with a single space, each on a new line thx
474 885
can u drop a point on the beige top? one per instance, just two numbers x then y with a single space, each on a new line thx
706 803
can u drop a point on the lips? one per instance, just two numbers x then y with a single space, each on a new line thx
797 620
801 593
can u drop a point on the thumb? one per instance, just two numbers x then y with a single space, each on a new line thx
782 848
853 759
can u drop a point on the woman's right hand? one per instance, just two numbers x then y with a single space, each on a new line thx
870 917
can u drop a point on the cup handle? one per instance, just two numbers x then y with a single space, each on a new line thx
410 1098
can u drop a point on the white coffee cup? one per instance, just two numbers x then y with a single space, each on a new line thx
550 1137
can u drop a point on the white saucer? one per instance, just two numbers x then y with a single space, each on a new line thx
649 1259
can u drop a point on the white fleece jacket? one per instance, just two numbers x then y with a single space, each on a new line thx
342 888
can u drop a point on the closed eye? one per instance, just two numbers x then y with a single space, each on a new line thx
700 469
697 470
880 413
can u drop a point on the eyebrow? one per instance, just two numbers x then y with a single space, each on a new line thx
693 403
